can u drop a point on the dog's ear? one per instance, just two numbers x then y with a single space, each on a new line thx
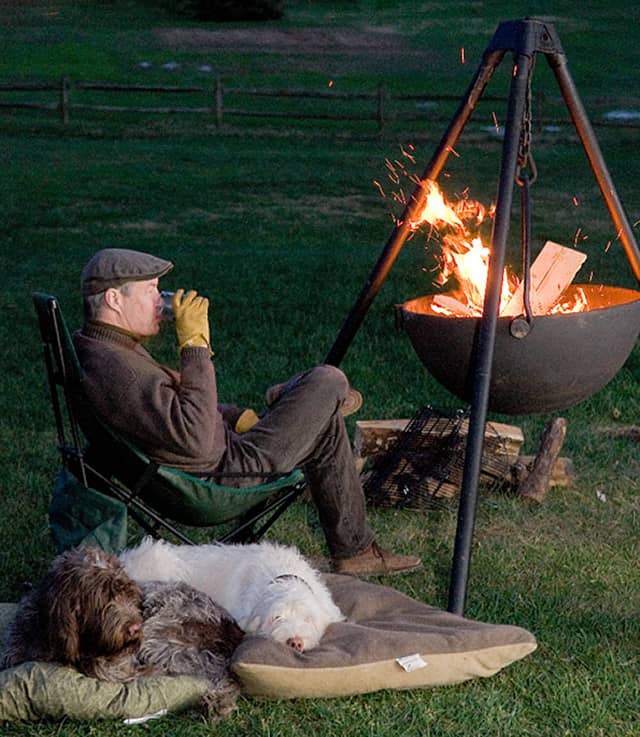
230 636
254 623
61 625
330 611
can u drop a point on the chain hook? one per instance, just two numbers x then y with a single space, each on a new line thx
528 169
526 175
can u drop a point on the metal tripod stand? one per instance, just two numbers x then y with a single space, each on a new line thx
524 38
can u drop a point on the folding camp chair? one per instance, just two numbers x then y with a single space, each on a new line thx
101 468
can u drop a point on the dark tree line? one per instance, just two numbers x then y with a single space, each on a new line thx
226 10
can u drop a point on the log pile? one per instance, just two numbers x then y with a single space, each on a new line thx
528 476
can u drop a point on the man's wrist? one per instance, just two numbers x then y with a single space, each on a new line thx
195 343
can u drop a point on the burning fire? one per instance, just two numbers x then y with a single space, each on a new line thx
463 261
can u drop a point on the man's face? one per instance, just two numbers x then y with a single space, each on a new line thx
138 307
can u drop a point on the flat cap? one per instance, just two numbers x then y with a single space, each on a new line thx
113 267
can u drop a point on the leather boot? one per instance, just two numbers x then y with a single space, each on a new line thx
376 561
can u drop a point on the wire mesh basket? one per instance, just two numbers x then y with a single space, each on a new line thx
424 467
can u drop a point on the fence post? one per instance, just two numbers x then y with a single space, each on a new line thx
64 100
219 101
381 101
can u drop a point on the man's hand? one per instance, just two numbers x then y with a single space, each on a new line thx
246 421
192 319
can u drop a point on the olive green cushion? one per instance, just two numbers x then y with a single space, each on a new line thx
34 691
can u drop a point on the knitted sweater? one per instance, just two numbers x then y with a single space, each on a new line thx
173 416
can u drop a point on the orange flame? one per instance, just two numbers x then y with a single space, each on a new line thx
463 262
577 304
436 210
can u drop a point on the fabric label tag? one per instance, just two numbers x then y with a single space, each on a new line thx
147 717
411 663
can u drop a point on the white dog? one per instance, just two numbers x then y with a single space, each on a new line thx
269 589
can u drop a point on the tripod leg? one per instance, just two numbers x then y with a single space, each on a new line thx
491 60
587 137
483 354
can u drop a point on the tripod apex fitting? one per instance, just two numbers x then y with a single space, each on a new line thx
526 36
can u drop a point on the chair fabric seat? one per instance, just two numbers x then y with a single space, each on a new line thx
194 501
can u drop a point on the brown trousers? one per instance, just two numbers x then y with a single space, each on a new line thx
305 429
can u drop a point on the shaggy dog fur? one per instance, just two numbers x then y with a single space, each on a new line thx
269 589
186 632
88 613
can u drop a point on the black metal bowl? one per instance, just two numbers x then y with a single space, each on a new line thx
564 358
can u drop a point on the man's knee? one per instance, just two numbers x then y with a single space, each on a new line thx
329 380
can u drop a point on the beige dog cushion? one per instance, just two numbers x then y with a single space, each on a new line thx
388 641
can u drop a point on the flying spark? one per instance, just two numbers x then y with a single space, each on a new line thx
407 155
379 186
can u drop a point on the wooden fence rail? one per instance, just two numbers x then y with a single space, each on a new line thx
384 108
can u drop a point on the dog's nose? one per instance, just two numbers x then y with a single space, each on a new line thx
296 643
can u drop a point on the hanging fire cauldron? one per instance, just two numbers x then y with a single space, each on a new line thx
561 360
567 343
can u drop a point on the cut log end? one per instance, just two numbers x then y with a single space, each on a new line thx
533 486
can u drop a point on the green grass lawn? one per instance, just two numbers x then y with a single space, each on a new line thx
280 226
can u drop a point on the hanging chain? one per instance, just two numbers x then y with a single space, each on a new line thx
526 176
525 157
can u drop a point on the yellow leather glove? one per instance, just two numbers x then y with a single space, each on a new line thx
192 319
246 421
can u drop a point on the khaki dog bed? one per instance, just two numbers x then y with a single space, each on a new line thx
389 641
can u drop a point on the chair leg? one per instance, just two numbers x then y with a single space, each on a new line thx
247 532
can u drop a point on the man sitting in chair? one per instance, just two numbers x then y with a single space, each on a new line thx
175 417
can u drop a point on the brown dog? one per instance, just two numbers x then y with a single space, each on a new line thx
86 612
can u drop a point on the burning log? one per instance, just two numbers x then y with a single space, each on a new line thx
464 258
448 304
535 484
551 273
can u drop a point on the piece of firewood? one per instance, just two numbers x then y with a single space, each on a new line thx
563 472
377 436
451 304
630 432
551 273
534 487
373 438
